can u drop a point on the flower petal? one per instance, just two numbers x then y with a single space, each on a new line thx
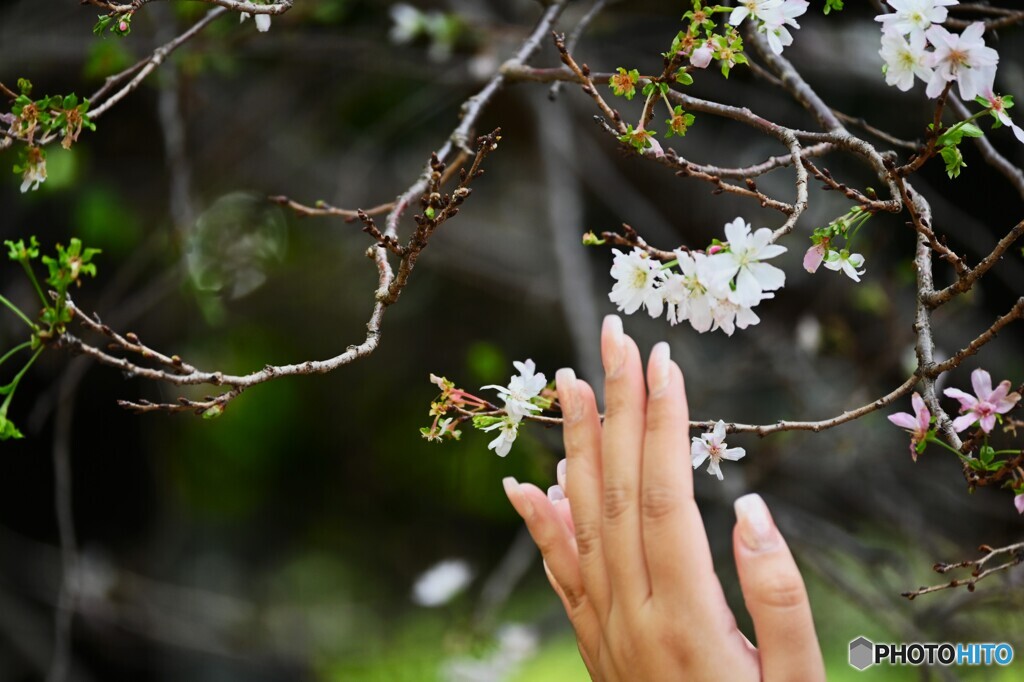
903 420
981 380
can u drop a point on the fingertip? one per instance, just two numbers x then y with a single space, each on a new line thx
659 370
754 524
516 495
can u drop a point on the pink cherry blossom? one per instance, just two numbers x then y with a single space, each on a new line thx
917 424
701 57
963 58
985 404
998 107
1018 502
814 256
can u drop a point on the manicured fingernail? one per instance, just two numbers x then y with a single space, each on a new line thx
659 367
556 494
515 495
614 347
560 472
565 382
755 523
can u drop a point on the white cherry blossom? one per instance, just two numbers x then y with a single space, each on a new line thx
712 446
963 58
758 9
729 315
509 429
776 20
905 59
744 260
638 277
914 17
693 294
520 391
846 262
33 175
262 21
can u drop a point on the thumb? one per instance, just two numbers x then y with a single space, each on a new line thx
775 596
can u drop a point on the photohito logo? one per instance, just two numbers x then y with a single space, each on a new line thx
864 653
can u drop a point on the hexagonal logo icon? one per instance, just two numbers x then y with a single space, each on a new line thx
862 653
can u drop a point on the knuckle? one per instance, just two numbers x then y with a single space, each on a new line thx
660 416
779 590
577 602
617 501
659 501
615 403
588 539
546 541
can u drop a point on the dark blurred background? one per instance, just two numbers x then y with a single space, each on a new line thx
283 540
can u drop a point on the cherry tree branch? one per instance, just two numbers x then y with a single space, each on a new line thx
1015 313
1014 553
144 67
574 37
279 7
391 281
967 279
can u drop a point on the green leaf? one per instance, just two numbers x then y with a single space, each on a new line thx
213 412
482 421
830 5
683 77
954 160
8 430
954 135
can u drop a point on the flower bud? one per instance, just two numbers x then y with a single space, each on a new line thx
701 57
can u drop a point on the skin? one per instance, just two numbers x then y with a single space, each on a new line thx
627 552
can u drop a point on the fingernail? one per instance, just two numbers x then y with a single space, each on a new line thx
565 383
659 367
560 472
556 494
515 495
613 351
756 529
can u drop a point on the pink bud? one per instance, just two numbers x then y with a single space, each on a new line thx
714 248
655 147
1018 502
813 257
123 27
701 57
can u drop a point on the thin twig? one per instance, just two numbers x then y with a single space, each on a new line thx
967 279
574 37
977 566
146 66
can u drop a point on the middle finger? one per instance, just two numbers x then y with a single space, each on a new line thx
621 456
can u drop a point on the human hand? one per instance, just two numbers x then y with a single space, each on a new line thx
626 550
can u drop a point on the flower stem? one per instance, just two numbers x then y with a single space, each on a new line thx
17 311
937 441
11 387
35 282
14 350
